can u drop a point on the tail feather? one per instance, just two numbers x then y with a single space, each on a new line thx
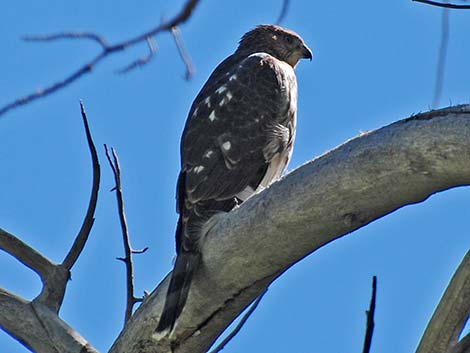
180 282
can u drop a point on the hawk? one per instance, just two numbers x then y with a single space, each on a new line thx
238 138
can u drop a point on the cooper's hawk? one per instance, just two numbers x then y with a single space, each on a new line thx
238 138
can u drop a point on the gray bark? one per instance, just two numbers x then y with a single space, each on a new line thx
38 327
328 197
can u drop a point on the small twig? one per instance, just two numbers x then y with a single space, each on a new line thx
140 251
131 299
107 50
451 314
370 318
282 15
68 35
87 224
143 60
441 63
446 5
240 324
183 53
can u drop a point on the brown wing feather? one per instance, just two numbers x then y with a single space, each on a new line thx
235 129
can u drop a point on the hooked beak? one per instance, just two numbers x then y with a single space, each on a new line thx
306 52
300 52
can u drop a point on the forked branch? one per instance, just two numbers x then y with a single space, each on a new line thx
40 328
106 50
131 298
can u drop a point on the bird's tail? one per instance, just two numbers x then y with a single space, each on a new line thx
185 266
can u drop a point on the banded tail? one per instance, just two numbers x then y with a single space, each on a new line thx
186 265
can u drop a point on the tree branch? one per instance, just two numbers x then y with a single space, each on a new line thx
26 254
284 10
175 31
240 325
85 229
450 316
38 328
131 300
445 5
327 198
441 62
143 60
370 318
106 51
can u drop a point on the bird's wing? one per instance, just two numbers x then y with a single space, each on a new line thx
238 125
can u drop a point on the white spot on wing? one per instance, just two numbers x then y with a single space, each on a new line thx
208 154
208 101
226 99
195 111
212 116
226 145
198 169
233 77
221 89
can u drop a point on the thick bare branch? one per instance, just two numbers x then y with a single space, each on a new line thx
106 51
26 254
38 328
327 198
449 319
54 277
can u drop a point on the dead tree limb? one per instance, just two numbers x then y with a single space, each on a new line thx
370 318
131 299
40 328
362 180
450 316
84 232
106 50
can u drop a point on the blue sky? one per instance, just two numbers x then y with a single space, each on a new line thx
374 63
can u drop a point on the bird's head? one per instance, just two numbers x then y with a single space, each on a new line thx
279 42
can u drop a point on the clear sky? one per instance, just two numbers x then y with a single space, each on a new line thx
374 63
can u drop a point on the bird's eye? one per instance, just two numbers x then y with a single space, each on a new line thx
289 39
